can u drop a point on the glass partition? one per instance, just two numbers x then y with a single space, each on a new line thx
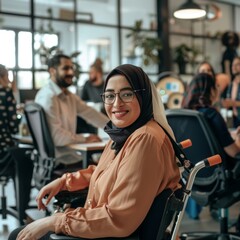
7 48
100 42
142 10
25 49
22 7
101 11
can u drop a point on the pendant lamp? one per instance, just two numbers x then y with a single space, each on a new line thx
189 10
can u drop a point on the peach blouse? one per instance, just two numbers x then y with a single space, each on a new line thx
123 187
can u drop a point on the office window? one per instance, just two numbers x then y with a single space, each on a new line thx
24 80
24 49
101 42
41 79
100 11
7 48
132 12
16 6
42 43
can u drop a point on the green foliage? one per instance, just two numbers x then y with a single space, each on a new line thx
149 45
77 66
185 54
46 53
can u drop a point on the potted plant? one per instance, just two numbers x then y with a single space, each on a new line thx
146 46
46 53
181 57
184 54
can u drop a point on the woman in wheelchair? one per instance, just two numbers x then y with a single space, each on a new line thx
201 95
138 163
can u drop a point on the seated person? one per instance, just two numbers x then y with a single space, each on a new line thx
93 87
201 95
91 92
206 67
233 91
62 108
13 163
131 171
222 80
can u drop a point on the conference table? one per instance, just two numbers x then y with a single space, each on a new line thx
86 149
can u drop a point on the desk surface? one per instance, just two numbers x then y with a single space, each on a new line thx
78 146
22 139
89 146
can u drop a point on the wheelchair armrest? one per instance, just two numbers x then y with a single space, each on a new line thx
61 237
64 237
72 199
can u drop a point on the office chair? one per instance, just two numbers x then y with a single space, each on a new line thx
43 155
5 175
217 187
11 166
165 215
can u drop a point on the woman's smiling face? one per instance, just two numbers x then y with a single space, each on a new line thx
120 113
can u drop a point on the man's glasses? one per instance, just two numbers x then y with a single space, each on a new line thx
125 95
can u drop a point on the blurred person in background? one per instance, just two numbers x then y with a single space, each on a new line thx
91 93
13 160
222 80
62 108
233 91
201 95
230 40
93 87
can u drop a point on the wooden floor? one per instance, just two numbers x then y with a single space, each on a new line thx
205 222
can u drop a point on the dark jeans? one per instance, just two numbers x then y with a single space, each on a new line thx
23 166
14 233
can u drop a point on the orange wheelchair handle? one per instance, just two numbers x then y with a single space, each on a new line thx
185 144
213 160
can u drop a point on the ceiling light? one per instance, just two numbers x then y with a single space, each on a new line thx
189 10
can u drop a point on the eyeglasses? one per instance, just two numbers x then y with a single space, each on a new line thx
126 95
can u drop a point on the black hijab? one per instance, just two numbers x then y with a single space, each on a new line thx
137 79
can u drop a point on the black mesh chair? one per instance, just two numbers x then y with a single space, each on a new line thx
43 155
217 187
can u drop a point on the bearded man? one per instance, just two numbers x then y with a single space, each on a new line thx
62 108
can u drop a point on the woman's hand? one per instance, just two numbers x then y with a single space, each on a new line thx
38 228
48 192
92 138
